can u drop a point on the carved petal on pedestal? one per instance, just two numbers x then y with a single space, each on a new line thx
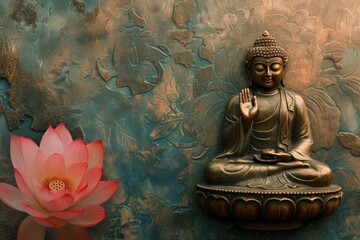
260 209
308 208
201 198
279 209
219 205
331 205
247 209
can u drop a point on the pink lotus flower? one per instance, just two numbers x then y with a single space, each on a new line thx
59 185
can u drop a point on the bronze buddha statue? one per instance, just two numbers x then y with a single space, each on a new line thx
266 179
267 133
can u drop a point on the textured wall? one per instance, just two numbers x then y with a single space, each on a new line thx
151 78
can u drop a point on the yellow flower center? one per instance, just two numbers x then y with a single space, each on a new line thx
56 185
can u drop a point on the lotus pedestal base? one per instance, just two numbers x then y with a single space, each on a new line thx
260 209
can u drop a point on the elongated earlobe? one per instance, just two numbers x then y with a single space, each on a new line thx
284 70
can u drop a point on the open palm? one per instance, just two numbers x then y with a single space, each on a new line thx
248 105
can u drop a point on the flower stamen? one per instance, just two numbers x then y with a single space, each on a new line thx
56 185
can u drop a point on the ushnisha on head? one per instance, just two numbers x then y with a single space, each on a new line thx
266 62
265 47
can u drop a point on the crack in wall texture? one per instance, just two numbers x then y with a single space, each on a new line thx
151 79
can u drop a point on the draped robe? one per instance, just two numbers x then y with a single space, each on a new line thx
292 131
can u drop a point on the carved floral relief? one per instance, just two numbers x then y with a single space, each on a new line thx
151 78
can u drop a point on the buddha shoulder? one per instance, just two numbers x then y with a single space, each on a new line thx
293 100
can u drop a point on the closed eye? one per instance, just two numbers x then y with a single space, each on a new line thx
275 66
259 67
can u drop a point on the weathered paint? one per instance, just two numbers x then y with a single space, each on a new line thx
151 79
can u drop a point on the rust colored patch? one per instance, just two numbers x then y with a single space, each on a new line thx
205 75
334 51
207 51
8 64
351 142
183 12
183 36
79 6
29 95
137 51
185 58
91 16
22 12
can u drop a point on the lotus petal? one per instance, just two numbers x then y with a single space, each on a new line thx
50 222
65 215
96 154
54 166
23 186
30 230
51 142
59 184
12 197
75 152
92 179
64 134
102 193
76 172
71 232
34 212
90 216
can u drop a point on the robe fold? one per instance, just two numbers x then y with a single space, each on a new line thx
235 166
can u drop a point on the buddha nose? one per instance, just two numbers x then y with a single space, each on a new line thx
268 72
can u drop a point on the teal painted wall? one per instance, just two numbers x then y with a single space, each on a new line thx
151 79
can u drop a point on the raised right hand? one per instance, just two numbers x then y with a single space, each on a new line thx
248 106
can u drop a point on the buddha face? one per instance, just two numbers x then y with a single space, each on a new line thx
267 73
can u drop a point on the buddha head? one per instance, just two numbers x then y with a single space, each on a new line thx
266 62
